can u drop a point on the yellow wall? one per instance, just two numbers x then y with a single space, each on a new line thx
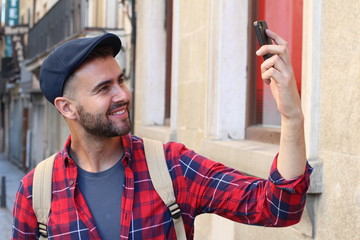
96 14
42 7
339 206
193 71
23 11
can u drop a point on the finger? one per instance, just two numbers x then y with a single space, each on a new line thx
266 65
280 50
267 81
277 39
275 61
272 74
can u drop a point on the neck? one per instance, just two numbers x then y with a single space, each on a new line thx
95 154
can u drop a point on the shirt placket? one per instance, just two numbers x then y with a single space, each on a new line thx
127 203
80 203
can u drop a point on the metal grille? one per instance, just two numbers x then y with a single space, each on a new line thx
61 22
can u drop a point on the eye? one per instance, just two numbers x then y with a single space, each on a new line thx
120 80
104 88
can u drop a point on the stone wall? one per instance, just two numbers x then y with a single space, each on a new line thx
330 98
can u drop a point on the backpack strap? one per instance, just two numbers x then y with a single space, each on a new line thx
41 195
160 177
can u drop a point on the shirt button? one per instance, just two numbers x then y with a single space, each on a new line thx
71 182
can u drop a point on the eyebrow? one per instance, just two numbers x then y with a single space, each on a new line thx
122 75
106 82
100 85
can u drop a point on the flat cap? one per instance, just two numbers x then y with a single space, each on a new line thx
65 59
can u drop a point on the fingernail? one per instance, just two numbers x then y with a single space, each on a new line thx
257 52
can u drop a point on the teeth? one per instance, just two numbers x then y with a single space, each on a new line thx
118 112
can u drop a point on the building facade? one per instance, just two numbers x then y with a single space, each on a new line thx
219 109
192 69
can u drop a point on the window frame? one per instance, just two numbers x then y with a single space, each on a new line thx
254 131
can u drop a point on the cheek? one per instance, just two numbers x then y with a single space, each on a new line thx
94 105
128 93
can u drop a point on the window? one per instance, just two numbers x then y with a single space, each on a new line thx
263 118
157 59
227 82
151 63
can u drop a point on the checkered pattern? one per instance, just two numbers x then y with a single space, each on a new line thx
200 185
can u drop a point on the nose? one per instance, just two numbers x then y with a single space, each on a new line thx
120 93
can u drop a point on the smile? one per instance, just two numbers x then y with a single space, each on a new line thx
118 112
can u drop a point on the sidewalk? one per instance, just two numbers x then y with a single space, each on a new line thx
13 177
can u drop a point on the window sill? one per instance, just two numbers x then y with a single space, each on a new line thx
161 133
263 134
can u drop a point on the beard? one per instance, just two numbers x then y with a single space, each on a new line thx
99 126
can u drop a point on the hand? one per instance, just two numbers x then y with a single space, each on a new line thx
278 72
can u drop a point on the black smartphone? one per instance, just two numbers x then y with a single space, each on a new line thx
260 27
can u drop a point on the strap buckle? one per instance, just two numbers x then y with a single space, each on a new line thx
174 210
43 229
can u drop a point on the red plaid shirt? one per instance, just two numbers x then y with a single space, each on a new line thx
200 185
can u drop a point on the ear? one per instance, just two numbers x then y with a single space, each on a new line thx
66 107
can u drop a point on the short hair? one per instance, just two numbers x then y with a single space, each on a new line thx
98 52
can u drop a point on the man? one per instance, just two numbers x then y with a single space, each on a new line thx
101 184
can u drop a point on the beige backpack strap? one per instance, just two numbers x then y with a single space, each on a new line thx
41 195
160 177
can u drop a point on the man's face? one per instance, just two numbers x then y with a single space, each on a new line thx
102 99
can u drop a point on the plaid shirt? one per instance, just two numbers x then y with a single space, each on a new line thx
200 185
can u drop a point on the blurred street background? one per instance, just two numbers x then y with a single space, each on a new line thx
195 78
12 176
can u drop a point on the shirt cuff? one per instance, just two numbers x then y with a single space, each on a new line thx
299 184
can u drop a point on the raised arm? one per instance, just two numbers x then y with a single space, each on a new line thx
278 73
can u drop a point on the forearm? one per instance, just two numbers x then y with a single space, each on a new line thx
292 153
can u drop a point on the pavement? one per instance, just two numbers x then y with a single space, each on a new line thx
13 177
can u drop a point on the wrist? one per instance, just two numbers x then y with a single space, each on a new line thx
293 120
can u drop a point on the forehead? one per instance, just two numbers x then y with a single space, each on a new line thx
98 69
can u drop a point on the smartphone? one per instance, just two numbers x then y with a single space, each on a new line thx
260 27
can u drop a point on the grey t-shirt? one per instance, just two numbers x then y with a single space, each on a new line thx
102 192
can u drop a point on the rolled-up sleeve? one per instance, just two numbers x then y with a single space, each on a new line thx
296 185
286 198
215 188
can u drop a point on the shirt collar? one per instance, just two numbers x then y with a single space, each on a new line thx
125 139
128 148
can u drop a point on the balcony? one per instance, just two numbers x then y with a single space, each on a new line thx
62 21
72 19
